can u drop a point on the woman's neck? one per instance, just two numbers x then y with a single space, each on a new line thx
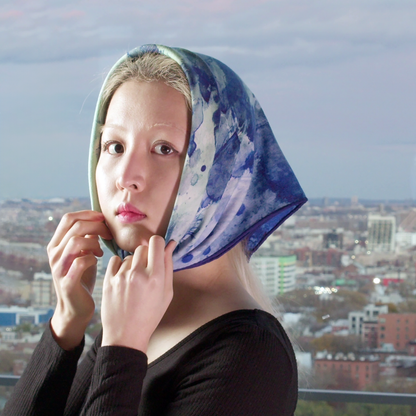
206 292
200 295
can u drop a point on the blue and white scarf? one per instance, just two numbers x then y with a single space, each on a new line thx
236 184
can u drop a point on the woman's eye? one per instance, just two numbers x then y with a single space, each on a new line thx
114 148
163 149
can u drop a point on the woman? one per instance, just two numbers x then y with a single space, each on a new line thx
180 148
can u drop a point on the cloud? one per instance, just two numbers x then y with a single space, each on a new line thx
10 14
277 32
73 14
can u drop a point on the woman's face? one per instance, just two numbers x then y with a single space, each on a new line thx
143 148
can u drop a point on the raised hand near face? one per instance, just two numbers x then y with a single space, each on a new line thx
72 256
136 294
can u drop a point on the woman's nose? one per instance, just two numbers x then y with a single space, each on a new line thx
131 176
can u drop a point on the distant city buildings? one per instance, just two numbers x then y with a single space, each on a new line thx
381 232
377 327
397 329
355 371
333 239
98 289
370 313
14 315
344 270
277 273
43 291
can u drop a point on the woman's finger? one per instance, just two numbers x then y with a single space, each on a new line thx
58 256
170 248
76 247
156 263
95 237
83 228
113 266
68 220
75 272
139 261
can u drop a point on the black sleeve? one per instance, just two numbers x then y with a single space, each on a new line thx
108 381
44 386
243 373
116 382
82 380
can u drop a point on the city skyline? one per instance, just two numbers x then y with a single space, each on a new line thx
336 81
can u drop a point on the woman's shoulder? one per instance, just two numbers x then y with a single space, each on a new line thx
243 321
242 332
244 358
248 332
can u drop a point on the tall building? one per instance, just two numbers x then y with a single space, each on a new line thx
98 290
277 273
357 320
43 291
397 329
334 239
381 232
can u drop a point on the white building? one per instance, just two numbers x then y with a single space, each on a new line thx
43 291
369 314
98 291
405 239
381 232
277 273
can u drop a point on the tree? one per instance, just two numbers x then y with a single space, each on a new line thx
367 409
409 306
6 362
24 327
354 300
307 408
335 343
296 299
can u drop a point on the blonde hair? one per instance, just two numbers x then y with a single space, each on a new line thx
248 278
149 67
152 67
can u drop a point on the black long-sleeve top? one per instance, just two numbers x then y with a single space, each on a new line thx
241 363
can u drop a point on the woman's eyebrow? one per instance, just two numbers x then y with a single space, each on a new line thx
121 127
170 125
111 126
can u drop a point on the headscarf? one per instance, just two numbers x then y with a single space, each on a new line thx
236 184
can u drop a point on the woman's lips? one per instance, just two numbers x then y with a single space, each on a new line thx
127 213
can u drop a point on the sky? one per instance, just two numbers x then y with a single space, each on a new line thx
336 79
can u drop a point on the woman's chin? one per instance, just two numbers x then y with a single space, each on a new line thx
132 247
130 243
130 239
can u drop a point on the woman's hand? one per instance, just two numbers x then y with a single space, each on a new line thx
136 294
72 256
